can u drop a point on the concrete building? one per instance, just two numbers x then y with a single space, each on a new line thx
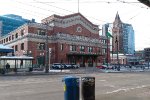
71 39
11 22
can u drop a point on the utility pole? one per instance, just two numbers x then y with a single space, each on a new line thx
47 50
107 51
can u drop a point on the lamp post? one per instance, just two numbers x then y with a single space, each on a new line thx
118 68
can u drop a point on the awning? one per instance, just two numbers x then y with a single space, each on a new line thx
5 49
16 58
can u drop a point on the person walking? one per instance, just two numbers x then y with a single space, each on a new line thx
7 67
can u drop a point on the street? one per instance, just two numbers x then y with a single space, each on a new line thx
109 86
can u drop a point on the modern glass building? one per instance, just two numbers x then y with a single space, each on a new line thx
10 22
128 39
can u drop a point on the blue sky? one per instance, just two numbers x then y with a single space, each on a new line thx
97 11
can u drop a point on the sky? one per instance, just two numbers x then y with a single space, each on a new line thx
98 12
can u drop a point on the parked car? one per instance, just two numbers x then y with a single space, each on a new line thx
104 67
74 66
101 66
58 66
67 66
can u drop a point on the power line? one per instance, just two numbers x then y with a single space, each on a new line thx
54 6
35 12
69 10
53 11
97 1
37 7
132 3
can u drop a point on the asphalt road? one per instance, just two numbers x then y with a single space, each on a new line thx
109 86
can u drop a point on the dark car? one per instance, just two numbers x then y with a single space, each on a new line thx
58 66
67 66
74 66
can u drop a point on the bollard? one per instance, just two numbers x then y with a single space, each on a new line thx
88 88
71 88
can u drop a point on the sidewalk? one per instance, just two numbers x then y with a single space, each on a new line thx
74 71
51 72
125 70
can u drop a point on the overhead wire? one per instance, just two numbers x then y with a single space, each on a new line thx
72 11
38 7
132 3
54 6
67 10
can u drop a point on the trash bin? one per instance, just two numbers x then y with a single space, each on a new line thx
71 88
88 88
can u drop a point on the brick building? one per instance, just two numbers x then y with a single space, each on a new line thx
72 39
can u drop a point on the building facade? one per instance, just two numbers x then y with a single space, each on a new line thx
70 39
11 22
123 35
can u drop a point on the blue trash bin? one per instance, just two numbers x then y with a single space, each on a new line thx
71 88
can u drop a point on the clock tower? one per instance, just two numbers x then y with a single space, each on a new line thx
117 34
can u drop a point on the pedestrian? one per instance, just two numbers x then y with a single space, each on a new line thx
7 67
21 63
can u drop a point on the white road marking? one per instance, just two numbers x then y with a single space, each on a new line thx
102 80
127 89
109 85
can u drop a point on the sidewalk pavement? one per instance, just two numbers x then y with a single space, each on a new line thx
125 70
74 71
51 72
